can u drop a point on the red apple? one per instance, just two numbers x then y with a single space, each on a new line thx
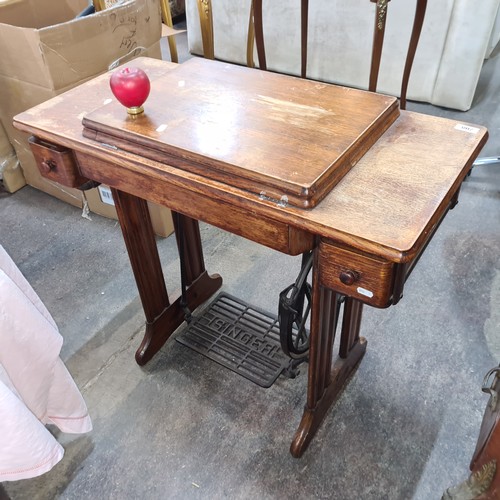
131 87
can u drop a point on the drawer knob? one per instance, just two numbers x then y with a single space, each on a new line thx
48 165
349 277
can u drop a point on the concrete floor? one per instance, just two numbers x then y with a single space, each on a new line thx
185 428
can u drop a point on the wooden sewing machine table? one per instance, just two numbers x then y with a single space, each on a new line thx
291 164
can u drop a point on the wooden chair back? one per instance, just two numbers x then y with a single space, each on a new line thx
257 31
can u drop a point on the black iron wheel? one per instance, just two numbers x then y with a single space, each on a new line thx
293 313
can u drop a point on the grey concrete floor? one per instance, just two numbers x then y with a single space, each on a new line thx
185 428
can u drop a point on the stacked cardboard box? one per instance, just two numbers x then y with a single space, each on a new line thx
48 49
10 170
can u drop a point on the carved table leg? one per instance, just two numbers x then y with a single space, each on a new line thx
324 380
162 318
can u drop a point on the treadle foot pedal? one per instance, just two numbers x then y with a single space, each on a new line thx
240 337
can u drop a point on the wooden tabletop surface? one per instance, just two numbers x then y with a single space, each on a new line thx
385 205
264 132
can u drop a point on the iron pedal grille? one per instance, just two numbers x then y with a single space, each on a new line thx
240 337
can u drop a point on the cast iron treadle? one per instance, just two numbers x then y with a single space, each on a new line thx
240 337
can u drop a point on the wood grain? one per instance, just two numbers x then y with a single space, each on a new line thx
374 277
282 137
385 206
239 220
57 163
368 232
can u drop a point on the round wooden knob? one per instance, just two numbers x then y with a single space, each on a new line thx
47 165
349 277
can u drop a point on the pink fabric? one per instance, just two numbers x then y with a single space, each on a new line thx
35 386
8 266
27 448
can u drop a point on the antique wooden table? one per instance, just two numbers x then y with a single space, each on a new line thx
367 226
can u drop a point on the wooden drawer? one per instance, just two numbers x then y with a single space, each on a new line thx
56 163
363 277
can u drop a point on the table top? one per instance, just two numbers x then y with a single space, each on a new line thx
291 138
386 205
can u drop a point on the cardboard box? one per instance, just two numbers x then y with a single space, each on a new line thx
46 50
100 201
11 174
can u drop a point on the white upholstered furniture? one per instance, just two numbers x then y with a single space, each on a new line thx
456 38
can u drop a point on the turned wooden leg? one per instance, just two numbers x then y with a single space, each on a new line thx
162 317
324 380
